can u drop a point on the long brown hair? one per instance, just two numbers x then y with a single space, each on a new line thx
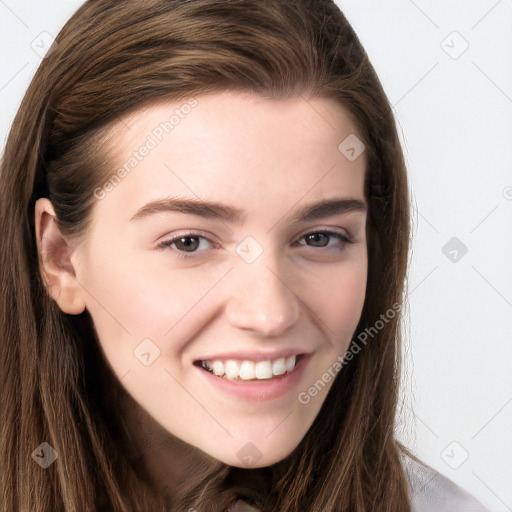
112 57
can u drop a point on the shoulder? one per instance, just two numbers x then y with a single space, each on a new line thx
430 491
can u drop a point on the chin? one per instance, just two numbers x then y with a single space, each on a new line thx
254 454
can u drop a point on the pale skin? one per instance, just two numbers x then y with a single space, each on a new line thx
270 160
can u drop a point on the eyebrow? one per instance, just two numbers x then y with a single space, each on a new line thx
218 211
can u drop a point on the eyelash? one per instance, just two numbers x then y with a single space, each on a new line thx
166 244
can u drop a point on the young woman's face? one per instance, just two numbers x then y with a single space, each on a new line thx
226 241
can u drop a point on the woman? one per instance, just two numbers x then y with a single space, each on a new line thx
206 226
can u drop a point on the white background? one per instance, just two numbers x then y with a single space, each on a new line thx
455 112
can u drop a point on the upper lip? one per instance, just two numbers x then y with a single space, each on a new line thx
253 356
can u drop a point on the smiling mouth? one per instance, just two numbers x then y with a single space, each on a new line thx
246 370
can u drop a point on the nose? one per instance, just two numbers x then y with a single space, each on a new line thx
261 300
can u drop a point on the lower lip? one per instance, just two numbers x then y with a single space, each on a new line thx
261 390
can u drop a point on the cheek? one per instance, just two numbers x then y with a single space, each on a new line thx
130 302
337 298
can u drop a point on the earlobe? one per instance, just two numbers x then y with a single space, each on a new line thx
55 260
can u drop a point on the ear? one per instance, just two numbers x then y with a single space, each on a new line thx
55 260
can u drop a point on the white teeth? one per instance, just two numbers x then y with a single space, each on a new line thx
218 368
263 370
250 370
232 369
247 370
279 366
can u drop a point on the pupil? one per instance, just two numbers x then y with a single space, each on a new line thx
318 239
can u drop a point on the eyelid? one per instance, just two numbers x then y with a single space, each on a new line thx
168 241
198 234
327 230
192 233
343 236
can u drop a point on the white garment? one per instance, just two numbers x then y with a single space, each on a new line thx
432 492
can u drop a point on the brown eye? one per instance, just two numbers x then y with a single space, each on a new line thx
317 239
187 243
328 239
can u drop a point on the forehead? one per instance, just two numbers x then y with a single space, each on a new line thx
298 124
231 146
